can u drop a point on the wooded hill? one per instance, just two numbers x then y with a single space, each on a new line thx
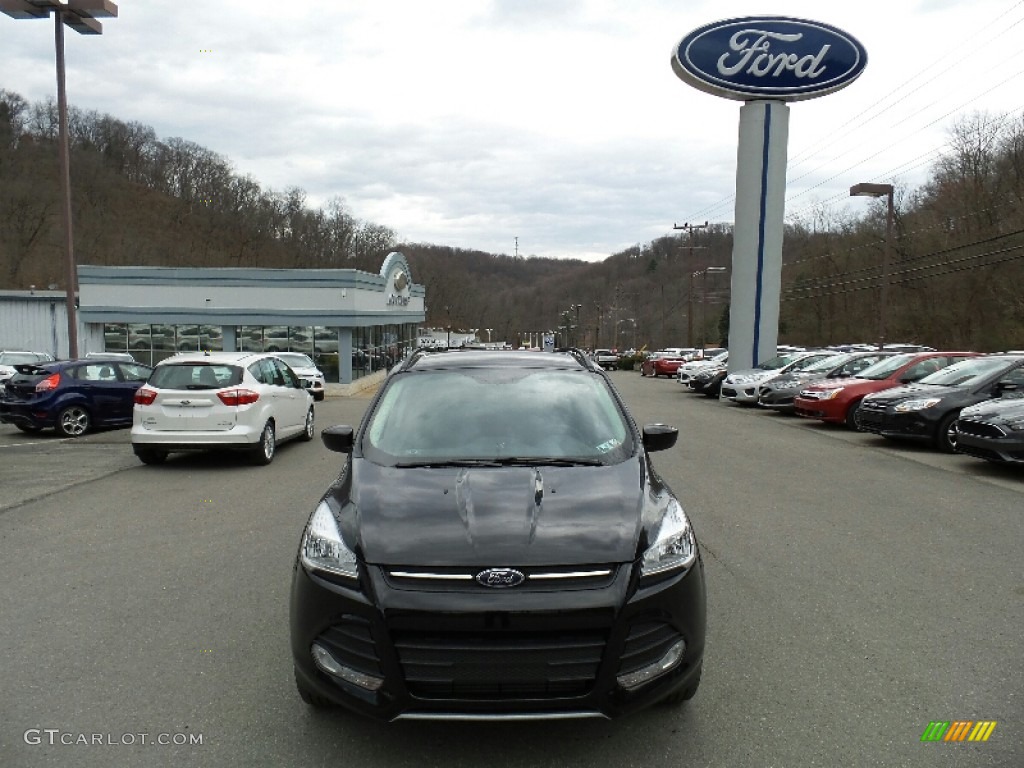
957 271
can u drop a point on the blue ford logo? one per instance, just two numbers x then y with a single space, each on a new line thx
500 578
768 57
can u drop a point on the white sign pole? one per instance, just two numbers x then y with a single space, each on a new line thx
757 240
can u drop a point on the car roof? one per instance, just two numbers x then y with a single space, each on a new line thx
424 360
209 358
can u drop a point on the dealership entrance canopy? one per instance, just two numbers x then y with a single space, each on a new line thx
353 323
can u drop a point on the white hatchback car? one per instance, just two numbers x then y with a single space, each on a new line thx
248 401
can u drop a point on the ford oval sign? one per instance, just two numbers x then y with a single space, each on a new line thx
500 578
769 57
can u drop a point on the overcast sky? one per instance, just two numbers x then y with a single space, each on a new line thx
471 123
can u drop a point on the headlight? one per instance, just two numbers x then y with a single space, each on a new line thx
674 545
918 404
829 394
1016 423
322 548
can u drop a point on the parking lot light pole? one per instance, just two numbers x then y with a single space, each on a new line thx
881 190
704 306
80 15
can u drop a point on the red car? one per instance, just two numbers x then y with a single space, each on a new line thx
837 400
659 364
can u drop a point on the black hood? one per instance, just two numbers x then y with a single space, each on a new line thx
908 391
505 516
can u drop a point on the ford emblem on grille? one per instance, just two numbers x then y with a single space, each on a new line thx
500 578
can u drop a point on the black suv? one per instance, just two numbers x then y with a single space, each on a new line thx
497 545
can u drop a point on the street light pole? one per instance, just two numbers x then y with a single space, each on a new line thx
80 15
881 190
704 306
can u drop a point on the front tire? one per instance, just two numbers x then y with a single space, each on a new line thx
312 698
851 416
945 436
73 421
266 447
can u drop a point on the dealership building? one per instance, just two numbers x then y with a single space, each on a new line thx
354 324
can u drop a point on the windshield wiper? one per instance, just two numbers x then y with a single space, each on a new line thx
448 463
547 461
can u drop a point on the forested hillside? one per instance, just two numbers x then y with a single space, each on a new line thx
957 273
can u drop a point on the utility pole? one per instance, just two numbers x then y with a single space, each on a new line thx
689 296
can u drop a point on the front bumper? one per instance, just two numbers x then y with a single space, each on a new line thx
740 392
777 399
990 442
468 652
913 425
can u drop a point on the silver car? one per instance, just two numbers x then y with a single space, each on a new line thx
742 386
304 367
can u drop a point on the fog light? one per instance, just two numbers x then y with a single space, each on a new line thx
645 674
328 664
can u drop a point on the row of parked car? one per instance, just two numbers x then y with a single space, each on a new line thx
960 401
243 401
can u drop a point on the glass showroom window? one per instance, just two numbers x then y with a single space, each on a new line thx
115 337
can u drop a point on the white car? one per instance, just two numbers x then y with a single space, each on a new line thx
688 370
312 377
248 401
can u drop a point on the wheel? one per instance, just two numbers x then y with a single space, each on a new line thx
28 428
851 416
311 697
150 455
265 448
945 435
73 421
684 694
319 397
309 432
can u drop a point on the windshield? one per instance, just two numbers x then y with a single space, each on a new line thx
295 359
883 369
966 373
778 361
828 363
193 376
17 358
493 414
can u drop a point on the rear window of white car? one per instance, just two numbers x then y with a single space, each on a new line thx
195 376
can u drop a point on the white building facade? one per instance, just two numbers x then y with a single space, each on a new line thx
352 323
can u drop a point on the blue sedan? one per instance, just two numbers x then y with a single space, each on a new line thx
72 396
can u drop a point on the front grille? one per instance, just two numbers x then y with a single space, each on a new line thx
979 429
510 665
537 579
351 643
647 643
870 421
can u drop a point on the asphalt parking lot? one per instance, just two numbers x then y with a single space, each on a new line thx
858 590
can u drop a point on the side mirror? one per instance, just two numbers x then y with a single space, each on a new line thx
1004 386
658 437
338 438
